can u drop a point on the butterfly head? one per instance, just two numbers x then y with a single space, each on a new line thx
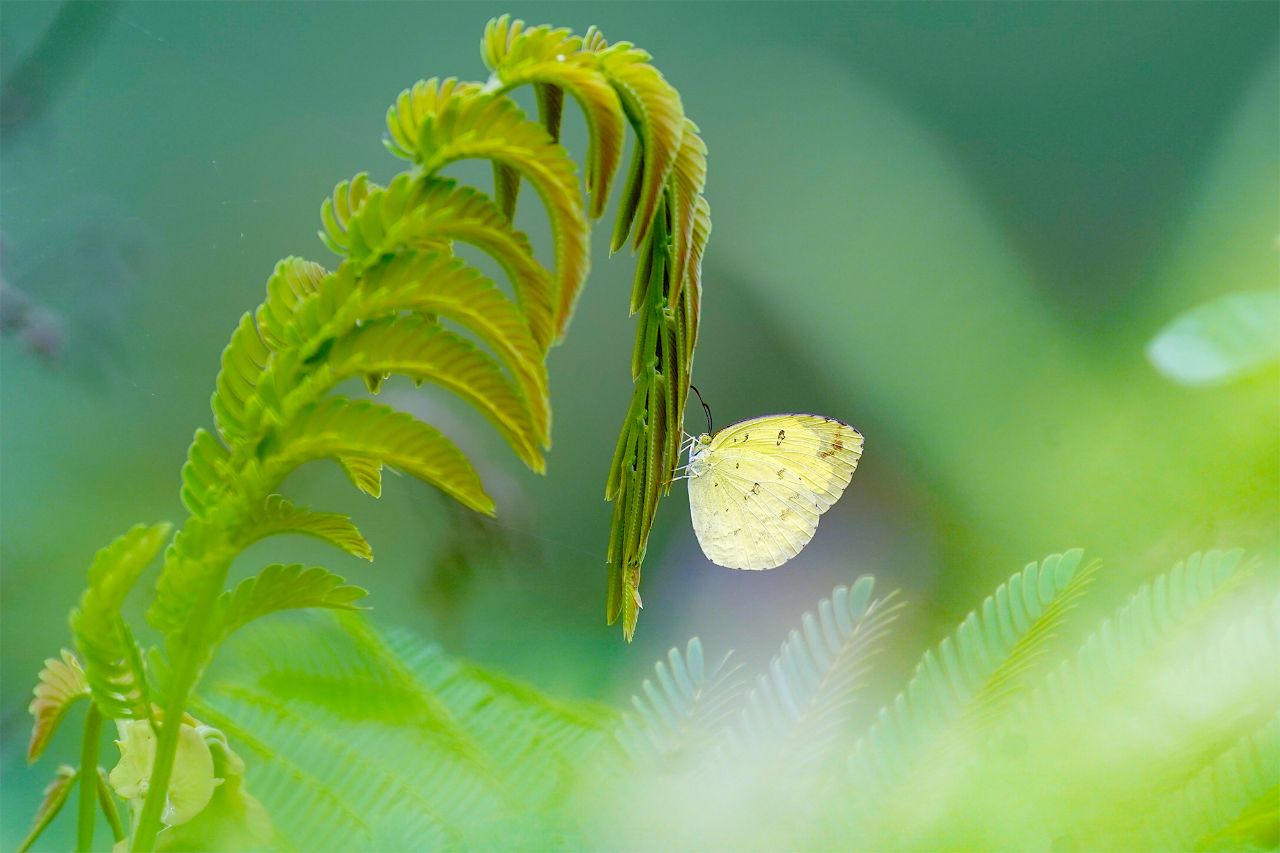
698 451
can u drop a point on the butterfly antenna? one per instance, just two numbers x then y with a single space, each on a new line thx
705 408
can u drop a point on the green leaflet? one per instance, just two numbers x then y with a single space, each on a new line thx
117 683
425 214
686 714
59 685
279 587
341 428
55 797
280 516
426 352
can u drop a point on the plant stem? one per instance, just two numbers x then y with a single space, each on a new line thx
186 672
88 814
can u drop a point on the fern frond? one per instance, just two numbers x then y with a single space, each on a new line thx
435 284
687 712
654 109
280 516
947 678
436 124
342 428
111 662
426 352
553 57
1232 804
279 587
1148 618
51 803
425 214
388 744
801 707
60 684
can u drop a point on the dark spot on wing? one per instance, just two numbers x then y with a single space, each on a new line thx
782 473
736 465
755 488
782 436
782 516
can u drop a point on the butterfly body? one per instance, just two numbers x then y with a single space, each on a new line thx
758 487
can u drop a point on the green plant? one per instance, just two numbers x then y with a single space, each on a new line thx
401 302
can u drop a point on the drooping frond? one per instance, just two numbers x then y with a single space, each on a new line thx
654 109
60 684
54 798
947 678
280 587
342 428
280 516
436 124
111 660
687 712
554 58
801 706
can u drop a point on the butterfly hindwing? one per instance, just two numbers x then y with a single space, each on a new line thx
766 482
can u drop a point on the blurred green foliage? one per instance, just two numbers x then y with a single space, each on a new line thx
956 226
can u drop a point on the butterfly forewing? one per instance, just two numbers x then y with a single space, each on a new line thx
765 483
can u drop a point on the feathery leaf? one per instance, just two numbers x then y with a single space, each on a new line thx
60 684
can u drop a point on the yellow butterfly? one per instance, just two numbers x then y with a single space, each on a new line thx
757 487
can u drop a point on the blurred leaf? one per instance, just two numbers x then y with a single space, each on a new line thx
1221 340
61 682
55 797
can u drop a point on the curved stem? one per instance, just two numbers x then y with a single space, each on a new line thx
88 815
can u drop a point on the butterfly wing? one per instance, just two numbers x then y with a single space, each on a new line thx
767 481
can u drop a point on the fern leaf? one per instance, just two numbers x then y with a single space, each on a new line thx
293 281
1232 804
546 56
280 516
243 361
279 587
447 287
948 677
426 352
110 655
55 797
358 730
365 473
206 474
466 124
654 108
688 177
801 706
341 428
425 214
1149 616
687 711
60 684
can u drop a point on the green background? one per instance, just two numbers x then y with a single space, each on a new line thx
956 226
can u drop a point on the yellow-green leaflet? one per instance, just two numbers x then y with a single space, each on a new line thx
757 487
